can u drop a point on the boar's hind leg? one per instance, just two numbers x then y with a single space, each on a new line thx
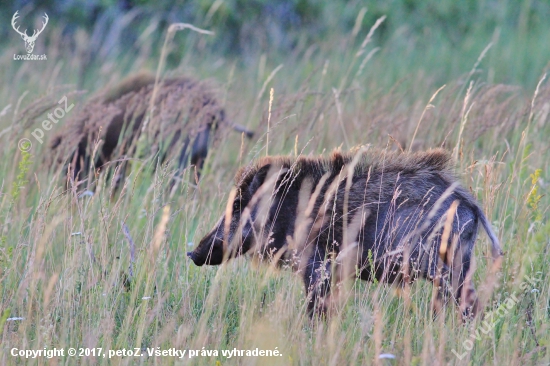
194 151
457 268
441 278
462 262
200 149
317 280
461 277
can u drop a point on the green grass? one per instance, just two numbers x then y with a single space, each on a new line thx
65 259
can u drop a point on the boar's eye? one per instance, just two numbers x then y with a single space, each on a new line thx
236 204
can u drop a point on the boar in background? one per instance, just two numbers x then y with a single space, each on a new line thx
178 118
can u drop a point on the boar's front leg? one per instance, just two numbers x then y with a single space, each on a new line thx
317 279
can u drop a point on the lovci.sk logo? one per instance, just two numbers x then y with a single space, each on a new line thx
29 40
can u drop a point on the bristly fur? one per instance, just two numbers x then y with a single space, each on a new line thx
407 171
185 111
384 219
434 160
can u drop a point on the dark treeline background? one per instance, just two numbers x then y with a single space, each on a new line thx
447 33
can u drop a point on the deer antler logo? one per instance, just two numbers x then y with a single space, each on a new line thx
29 41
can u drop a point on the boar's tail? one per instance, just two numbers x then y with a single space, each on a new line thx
496 250
242 129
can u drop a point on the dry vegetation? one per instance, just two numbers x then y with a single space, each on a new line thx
90 270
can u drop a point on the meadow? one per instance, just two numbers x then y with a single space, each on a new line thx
107 268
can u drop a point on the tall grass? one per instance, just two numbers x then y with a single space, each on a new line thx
66 256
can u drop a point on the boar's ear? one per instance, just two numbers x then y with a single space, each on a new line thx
259 178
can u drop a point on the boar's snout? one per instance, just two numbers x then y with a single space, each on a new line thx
209 251
194 258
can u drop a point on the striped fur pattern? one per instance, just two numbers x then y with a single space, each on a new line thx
392 216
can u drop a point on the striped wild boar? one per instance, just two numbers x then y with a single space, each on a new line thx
392 216
185 115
